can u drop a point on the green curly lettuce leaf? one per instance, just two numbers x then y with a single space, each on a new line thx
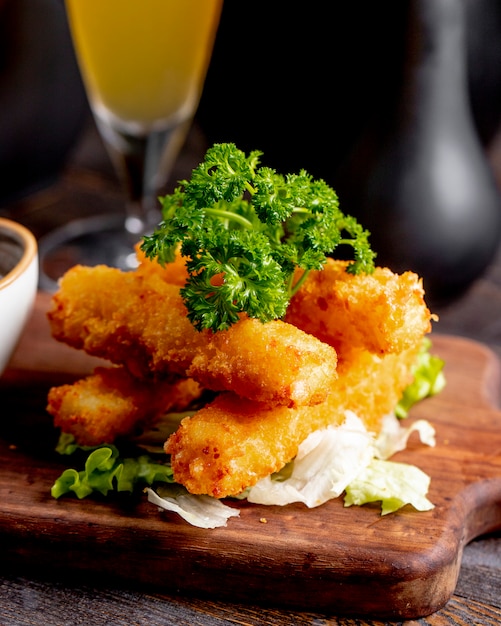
105 471
429 379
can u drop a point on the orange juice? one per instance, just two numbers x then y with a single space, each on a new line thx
144 61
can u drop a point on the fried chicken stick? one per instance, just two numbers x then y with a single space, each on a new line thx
111 403
139 320
382 312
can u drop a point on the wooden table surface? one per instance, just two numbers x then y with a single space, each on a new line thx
88 186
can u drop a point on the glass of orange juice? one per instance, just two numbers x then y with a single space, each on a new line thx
143 63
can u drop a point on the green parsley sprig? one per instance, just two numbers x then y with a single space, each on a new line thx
245 229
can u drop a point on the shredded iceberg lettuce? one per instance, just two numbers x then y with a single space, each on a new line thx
326 463
345 458
393 436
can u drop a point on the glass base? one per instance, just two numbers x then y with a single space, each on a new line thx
91 241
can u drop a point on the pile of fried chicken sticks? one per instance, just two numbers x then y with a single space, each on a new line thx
348 342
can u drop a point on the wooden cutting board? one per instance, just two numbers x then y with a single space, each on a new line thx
330 559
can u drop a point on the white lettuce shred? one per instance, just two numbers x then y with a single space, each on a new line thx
201 511
393 437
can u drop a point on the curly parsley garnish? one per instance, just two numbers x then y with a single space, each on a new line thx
245 229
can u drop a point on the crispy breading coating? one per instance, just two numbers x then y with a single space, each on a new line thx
111 403
139 320
371 385
382 312
273 362
232 443
127 318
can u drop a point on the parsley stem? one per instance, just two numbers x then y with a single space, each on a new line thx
250 188
294 288
229 215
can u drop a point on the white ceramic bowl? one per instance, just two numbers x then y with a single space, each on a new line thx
18 284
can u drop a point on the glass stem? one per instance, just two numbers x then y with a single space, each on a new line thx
144 163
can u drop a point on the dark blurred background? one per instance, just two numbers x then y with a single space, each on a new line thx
304 83
312 85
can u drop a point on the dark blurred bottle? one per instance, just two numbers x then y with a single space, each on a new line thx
431 201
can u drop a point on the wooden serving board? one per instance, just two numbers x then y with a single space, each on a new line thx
330 559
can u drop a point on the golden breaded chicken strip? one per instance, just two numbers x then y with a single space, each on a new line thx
232 443
381 312
273 362
111 403
127 318
140 321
